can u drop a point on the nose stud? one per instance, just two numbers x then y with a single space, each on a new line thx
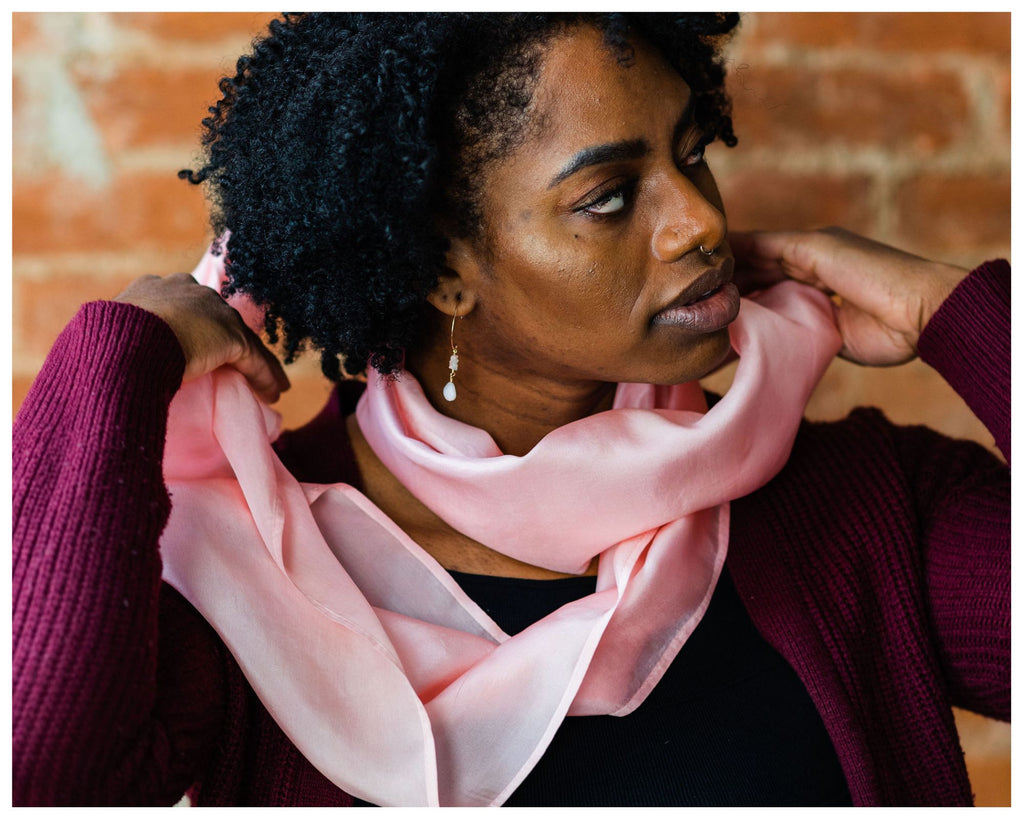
706 252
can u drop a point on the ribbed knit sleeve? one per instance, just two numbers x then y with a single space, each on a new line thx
877 563
90 720
963 494
968 342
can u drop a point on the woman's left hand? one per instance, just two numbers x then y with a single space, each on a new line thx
885 296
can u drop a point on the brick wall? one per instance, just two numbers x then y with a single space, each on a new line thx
894 125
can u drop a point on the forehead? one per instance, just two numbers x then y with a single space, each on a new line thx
586 94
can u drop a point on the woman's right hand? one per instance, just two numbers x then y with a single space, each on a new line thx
886 296
210 331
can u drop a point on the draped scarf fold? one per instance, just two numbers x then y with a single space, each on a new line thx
380 669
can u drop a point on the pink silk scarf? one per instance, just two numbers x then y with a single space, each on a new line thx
380 669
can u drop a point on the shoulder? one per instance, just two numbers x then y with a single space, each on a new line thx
864 489
858 458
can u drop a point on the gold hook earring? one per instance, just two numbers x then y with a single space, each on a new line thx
453 361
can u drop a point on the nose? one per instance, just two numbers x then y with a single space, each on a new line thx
687 220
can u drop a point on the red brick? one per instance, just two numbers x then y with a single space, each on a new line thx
146 106
986 745
919 111
42 308
24 32
955 214
772 200
136 211
1005 107
910 394
19 389
19 102
975 33
990 780
196 27
308 393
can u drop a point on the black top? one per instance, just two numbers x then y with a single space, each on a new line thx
729 724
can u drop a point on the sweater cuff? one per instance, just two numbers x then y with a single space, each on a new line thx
106 351
968 342
125 337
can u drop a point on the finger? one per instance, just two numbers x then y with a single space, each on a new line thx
139 283
767 250
748 279
251 357
744 245
262 369
762 245
260 375
769 257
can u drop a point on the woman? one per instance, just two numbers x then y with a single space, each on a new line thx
489 588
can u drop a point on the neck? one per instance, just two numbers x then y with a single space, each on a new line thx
517 409
448 547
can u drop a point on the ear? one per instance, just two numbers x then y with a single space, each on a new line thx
456 288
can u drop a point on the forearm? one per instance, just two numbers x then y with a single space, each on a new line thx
89 505
968 342
963 494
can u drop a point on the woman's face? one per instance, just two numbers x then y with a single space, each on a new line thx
593 227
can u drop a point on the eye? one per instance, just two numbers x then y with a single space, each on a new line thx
609 203
695 157
614 201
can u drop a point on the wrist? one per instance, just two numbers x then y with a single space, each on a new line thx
942 280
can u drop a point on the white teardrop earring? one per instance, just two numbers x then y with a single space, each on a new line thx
453 362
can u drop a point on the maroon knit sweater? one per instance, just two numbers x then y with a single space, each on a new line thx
876 563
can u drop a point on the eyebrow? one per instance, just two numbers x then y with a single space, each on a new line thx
618 151
612 152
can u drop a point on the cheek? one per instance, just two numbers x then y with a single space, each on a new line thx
545 277
568 307
590 294
534 271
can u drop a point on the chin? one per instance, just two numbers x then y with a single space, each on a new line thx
712 352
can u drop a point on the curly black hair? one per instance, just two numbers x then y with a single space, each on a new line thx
344 142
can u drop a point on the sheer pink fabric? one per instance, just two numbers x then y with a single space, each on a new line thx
384 674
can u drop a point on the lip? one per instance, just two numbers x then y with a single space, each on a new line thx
710 303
